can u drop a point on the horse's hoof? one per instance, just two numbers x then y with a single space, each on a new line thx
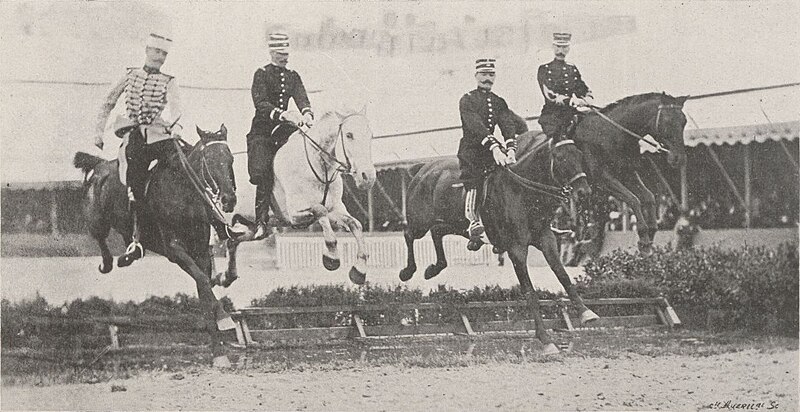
225 323
474 244
550 349
407 273
588 316
222 362
330 263
357 276
105 267
433 270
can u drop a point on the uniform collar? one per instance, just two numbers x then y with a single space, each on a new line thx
151 70
275 67
556 61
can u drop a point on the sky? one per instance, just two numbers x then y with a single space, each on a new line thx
409 61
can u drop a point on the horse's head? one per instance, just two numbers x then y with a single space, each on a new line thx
215 167
356 144
667 128
566 165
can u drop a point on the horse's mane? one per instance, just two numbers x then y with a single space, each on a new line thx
631 100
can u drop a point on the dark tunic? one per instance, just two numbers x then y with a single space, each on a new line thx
480 112
271 90
558 80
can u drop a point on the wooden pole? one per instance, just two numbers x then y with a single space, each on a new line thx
370 210
726 176
355 199
390 200
624 210
404 195
747 202
54 212
684 189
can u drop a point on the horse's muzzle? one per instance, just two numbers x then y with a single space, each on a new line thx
365 179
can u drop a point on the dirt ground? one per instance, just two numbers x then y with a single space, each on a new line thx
750 379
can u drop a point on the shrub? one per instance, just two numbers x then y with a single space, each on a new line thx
750 288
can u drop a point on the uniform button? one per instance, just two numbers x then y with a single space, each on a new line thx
490 109
549 79
548 72
565 75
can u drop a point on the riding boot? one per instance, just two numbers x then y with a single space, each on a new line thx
263 194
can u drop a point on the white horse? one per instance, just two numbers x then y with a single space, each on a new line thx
309 187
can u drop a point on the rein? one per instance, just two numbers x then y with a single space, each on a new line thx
327 157
657 145
207 193
560 193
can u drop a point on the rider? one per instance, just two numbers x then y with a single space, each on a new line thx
564 91
479 149
147 126
273 85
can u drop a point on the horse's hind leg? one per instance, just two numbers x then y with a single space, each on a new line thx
648 202
410 234
226 278
99 230
518 253
437 233
549 247
330 257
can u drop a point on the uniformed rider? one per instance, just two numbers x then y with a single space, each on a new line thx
565 93
480 150
150 121
273 86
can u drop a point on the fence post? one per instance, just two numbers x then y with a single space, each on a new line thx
467 325
113 330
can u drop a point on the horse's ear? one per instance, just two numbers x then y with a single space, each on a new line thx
223 129
339 115
200 131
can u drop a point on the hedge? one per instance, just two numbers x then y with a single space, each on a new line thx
751 288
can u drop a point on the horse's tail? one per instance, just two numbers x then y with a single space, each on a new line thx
86 162
414 169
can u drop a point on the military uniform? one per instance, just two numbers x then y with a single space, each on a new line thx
272 88
481 111
558 81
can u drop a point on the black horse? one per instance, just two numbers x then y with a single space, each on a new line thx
517 211
177 217
613 157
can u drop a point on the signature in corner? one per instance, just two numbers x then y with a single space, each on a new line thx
745 406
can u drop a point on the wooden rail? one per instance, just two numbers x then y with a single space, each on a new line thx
662 313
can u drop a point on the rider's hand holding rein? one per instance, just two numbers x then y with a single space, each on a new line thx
308 118
511 155
500 158
292 117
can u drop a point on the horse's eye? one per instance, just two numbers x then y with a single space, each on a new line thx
349 135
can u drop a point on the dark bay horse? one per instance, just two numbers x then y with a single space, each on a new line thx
177 219
516 213
613 158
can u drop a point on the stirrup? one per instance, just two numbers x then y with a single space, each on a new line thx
134 252
261 231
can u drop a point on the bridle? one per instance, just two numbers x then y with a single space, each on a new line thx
658 115
205 184
329 157
561 193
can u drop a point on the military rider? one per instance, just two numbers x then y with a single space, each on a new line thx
147 126
564 91
273 85
479 149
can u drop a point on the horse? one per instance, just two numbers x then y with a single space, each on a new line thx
519 205
338 144
177 224
612 153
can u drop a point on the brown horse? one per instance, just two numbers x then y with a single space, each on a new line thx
613 157
177 223
517 211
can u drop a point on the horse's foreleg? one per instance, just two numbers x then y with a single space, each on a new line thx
358 273
621 192
437 233
518 253
411 264
100 233
648 202
549 247
215 316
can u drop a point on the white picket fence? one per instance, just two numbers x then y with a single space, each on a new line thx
302 251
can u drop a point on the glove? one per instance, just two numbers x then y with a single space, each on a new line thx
576 101
98 141
308 119
292 117
511 155
500 158
561 99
